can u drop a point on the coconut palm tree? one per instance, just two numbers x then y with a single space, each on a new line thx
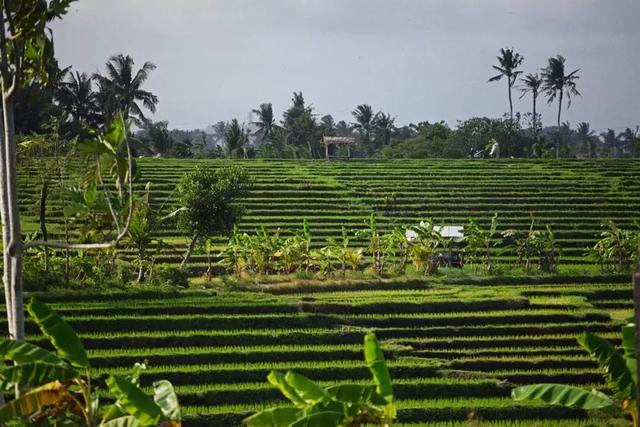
532 83
124 87
611 142
235 140
364 118
631 140
77 98
328 125
508 62
266 121
383 127
588 138
558 84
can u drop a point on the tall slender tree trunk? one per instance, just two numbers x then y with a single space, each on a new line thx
187 256
43 220
6 230
559 133
13 241
510 101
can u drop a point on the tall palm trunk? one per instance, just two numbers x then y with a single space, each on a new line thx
12 237
509 84
559 133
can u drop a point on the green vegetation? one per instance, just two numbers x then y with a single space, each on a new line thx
56 388
451 349
619 369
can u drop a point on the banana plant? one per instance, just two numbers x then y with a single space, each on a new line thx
616 247
480 242
234 256
58 384
425 250
395 246
372 234
342 405
619 370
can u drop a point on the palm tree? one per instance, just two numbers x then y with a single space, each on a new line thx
630 140
508 62
328 125
383 127
125 88
558 84
266 121
76 97
532 83
364 118
588 138
236 140
611 142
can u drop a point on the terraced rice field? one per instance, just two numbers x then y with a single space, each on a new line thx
573 197
453 349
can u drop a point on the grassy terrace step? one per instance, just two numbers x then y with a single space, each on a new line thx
571 196
426 321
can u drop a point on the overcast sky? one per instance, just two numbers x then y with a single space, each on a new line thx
418 60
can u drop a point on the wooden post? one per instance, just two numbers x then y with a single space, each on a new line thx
326 150
636 306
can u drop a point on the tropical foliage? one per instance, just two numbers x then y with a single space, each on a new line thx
344 405
620 372
56 387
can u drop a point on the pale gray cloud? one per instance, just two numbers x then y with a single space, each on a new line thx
419 60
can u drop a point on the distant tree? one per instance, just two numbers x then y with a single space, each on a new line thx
588 139
611 142
557 84
630 139
266 120
343 129
219 131
363 114
209 202
77 98
299 108
182 148
383 127
328 125
508 62
301 128
236 139
156 138
532 83
121 88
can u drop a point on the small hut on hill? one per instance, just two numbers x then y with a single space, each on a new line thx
337 141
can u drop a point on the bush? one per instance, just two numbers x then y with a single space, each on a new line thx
172 276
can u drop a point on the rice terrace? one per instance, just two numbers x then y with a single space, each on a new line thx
296 269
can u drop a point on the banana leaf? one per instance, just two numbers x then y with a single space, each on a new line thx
59 333
560 394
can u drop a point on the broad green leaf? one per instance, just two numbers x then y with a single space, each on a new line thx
165 397
351 393
35 374
33 401
320 419
629 340
126 421
24 352
375 361
309 391
275 417
60 334
611 362
560 394
278 379
135 401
